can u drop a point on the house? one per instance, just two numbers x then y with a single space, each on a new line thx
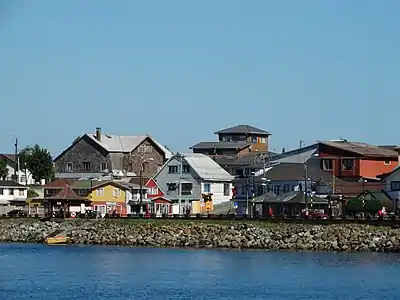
92 155
187 177
283 178
24 176
346 160
289 204
235 141
12 196
66 202
110 196
153 190
52 188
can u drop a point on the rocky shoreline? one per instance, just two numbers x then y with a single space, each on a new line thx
295 237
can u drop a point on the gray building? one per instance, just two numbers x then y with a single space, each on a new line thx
93 155
195 174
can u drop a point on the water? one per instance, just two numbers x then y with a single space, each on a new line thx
120 273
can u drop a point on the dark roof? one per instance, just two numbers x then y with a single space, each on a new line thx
58 184
348 188
9 183
247 129
67 194
220 145
10 157
392 147
362 149
291 197
295 171
136 180
247 159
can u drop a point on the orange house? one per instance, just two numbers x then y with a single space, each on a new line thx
347 159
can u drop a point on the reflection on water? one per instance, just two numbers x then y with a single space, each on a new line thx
93 272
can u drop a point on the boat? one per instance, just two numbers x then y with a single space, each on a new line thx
57 240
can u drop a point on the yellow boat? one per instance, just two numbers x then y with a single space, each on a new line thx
57 240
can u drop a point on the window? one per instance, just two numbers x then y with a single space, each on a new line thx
86 166
263 140
326 164
387 162
227 138
173 169
395 185
23 178
103 166
21 192
286 188
254 139
247 171
1 191
145 148
171 186
185 169
227 189
206 188
348 164
187 188
116 192
69 167
153 191
100 192
11 191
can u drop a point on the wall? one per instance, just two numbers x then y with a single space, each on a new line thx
108 195
217 191
151 184
85 150
133 162
17 196
259 146
163 177
21 174
372 168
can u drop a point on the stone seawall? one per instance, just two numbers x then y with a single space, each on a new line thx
200 234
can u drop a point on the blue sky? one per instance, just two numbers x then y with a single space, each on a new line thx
180 70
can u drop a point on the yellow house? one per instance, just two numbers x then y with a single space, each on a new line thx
109 197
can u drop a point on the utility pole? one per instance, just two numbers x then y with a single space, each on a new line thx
306 187
16 169
180 184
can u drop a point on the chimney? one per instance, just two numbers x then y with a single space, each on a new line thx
283 150
98 134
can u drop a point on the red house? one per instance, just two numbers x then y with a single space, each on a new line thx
347 159
154 190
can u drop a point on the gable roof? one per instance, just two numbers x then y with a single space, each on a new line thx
362 149
125 144
120 184
243 129
204 166
118 144
221 145
386 176
67 193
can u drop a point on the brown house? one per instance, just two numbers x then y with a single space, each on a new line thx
235 141
92 155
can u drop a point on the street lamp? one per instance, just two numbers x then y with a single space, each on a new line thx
141 182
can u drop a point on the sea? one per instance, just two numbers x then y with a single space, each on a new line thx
121 273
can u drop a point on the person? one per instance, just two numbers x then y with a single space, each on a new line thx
270 212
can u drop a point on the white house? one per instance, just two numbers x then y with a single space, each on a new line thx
186 177
12 196
24 176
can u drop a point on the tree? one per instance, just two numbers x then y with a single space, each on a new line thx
3 169
38 161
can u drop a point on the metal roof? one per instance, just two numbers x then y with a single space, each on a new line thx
206 167
124 144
